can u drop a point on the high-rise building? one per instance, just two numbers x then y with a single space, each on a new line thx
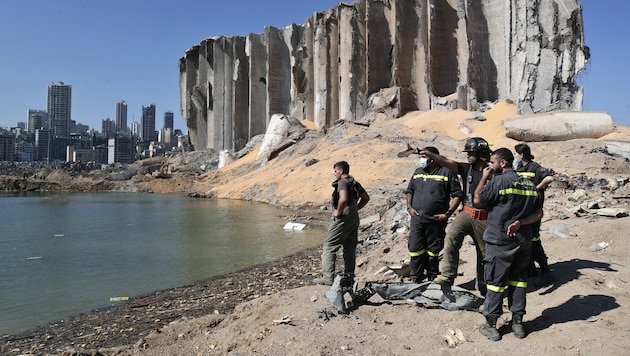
168 120
148 123
108 128
120 149
36 120
7 146
121 116
135 129
42 144
59 106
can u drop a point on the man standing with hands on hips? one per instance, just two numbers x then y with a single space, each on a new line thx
347 199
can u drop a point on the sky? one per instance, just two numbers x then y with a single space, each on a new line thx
115 50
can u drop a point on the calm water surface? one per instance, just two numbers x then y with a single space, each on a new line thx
64 254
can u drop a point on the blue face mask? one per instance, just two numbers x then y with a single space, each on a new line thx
424 162
516 163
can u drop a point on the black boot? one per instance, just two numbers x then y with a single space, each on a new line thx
517 326
489 330
546 277
433 269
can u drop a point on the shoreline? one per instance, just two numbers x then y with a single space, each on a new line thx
125 324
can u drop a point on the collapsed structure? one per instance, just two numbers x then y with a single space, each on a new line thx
436 54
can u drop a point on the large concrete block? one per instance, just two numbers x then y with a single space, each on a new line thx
559 126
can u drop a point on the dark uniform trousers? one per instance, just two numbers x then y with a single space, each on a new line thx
506 268
538 252
426 240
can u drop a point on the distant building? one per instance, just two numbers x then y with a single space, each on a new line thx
108 128
37 119
86 155
24 152
82 129
148 123
7 146
120 149
59 108
135 129
121 116
42 144
168 120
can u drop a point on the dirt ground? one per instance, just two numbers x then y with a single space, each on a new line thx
275 309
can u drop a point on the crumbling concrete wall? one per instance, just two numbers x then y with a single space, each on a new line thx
439 54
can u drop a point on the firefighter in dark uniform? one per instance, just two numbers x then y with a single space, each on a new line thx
472 221
542 177
433 194
513 206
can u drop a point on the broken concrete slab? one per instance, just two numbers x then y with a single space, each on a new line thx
559 126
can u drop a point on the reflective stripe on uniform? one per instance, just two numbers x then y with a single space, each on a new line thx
514 191
535 238
518 284
417 253
430 176
496 289
526 174
433 254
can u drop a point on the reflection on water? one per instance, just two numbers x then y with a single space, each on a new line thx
63 254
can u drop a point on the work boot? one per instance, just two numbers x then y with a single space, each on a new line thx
323 280
517 326
490 331
443 281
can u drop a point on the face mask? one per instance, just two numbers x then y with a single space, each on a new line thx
424 162
517 162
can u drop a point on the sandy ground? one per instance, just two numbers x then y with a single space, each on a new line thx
583 313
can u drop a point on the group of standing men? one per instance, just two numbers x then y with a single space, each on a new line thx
502 209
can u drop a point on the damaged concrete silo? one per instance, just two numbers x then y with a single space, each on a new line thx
438 54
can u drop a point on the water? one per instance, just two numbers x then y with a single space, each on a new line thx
66 254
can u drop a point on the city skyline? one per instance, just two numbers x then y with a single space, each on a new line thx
108 55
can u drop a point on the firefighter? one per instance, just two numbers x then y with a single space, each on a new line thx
526 167
347 199
472 221
433 194
513 206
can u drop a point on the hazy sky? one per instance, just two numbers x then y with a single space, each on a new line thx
129 50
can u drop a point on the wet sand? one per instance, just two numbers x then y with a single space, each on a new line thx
125 324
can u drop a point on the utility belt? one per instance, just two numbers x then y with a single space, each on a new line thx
479 214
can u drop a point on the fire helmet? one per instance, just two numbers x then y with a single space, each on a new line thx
477 144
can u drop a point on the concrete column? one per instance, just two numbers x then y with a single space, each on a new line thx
405 33
257 53
321 69
203 91
278 72
240 95
379 47
351 62
443 48
216 127
309 94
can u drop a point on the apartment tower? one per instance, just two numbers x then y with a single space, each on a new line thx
121 116
59 105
